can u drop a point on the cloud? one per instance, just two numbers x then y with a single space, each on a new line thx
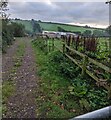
66 12
58 0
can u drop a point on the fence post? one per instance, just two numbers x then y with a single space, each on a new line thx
110 51
46 46
85 60
49 45
84 43
109 92
77 42
106 46
73 41
68 43
63 47
52 44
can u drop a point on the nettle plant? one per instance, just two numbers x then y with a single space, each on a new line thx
78 88
88 96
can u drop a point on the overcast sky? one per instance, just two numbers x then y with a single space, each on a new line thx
81 13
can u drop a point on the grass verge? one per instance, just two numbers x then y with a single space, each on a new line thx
53 99
63 93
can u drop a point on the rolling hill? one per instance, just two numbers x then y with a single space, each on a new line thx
54 27
49 26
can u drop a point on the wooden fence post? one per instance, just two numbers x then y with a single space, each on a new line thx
110 51
46 45
85 60
64 41
63 47
109 92
52 44
73 41
68 43
77 42
84 44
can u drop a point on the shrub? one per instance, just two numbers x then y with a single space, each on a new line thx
63 65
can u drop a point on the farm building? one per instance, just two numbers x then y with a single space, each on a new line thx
52 34
57 34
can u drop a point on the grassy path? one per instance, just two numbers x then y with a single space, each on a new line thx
19 90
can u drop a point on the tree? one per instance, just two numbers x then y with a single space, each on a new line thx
87 33
18 29
39 21
36 27
7 36
9 29
98 33
109 29
86 26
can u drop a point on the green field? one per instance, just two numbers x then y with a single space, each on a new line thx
48 26
54 27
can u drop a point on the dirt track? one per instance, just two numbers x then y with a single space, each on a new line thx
22 103
8 60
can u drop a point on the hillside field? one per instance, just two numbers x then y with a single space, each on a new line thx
54 27
49 26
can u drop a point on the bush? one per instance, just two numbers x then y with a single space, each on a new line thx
7 35
63 65
9 31
18 29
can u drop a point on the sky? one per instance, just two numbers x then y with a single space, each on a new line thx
94 14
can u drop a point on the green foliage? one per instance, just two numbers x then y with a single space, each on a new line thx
82 89
109 29
62 84
9 31
84 104
53 111
36 27
53 86
18 29
48 26
27 24
87 33
63 65
78 88
97 98
98 33
7 36
7 90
